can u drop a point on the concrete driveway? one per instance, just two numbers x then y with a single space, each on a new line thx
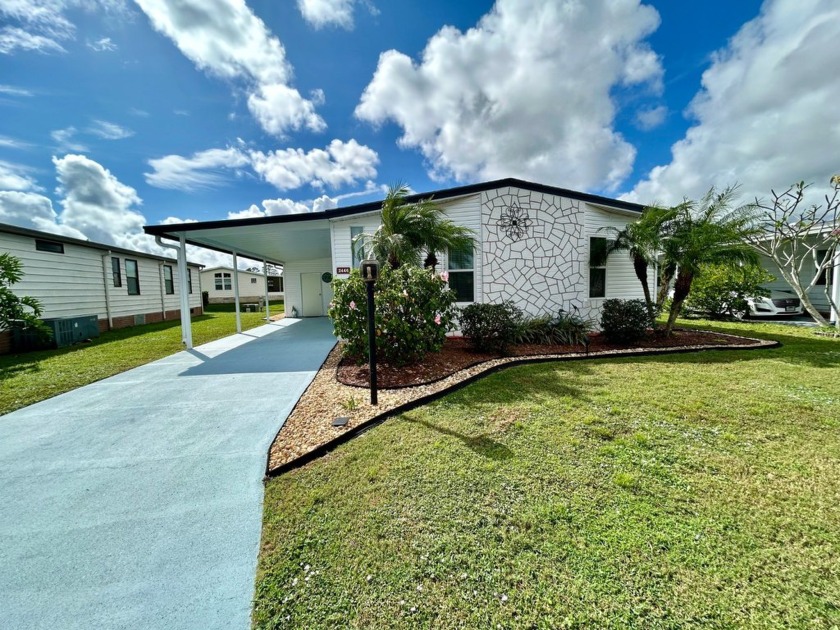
136 502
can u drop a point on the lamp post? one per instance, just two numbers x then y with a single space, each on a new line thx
370 272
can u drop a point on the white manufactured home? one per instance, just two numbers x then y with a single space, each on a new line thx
535 245
219 284
73 278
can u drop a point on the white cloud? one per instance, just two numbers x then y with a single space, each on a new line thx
103 44
11 90
205 169
34 211
12 143
226 39
95 202
277 207
15 177
525 93
64 139
766 116
651 117
141 113
109 131
339 163
40 26
320 13
13 38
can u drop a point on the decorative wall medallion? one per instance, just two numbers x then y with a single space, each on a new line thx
515 221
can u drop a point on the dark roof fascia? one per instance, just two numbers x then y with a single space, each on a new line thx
446 193
69 240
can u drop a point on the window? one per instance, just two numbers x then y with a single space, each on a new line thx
461 274
49 246
116 272
222 281
189 281
169 286
356 248
253 281
597 267
275 284
825 274
132 277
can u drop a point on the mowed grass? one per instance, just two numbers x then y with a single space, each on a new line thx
33 376
663 492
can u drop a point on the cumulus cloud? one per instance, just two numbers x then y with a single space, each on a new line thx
277 207
526 93
766 114
226 39
15 176
338 164
34 211
651 117
205 169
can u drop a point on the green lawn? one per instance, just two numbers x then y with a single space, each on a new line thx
664 492
33 376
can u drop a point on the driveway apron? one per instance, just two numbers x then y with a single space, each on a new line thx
136 502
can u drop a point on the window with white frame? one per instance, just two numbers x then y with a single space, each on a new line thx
223 281
597 267
462 273
168 283
132 277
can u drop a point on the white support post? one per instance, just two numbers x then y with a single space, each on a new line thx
236 293
835 285
265 280
183 271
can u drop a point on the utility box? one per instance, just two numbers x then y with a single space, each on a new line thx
65 332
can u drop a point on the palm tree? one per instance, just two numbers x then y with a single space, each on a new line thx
408 228
705 232
642 240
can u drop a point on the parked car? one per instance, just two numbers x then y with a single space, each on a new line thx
777 303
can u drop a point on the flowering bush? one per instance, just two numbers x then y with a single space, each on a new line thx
414 310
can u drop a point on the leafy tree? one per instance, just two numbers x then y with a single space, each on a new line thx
803 242
721 290
642 240
18 311
408 228
708 231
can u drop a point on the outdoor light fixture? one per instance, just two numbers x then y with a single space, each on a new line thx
370 273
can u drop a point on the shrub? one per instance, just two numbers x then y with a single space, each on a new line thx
414 310
624 321
563 329
491 327
22 312
721 291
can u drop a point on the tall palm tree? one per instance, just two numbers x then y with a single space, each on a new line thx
642 240
408 228
704 232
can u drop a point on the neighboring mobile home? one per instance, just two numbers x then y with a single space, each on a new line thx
218 283
538 246
74 278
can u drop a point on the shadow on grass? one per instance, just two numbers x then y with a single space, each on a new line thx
479 444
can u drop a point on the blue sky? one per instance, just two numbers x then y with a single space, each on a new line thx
116 114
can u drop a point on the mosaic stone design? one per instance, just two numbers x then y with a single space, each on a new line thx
542 271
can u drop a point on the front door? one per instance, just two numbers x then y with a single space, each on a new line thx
313 304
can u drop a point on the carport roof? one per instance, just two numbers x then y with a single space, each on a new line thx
279 239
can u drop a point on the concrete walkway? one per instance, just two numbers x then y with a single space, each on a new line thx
136 502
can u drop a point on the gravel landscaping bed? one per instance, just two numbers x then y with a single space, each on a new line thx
339 389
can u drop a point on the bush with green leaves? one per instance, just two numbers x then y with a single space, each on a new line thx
721 291
491 327
21 312
414 308
625 321
565 328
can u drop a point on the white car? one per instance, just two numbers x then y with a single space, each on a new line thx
776 304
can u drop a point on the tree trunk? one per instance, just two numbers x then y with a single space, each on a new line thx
431 261
666 275
801 293
681 289
640 266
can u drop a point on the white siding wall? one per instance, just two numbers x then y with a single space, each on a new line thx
247 289
341 241
291 275
466 211
621 279
73 283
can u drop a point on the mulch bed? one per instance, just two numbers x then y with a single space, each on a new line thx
457 355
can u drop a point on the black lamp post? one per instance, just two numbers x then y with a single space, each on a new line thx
370 272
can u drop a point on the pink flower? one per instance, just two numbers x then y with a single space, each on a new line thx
444 275
352 305
437 320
